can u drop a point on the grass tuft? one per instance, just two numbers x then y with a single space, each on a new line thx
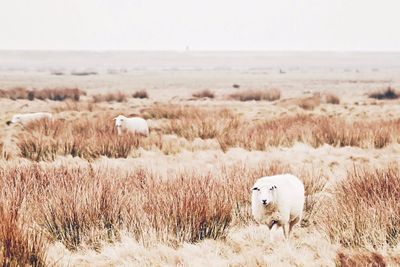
388 93
56 94
364 210
204 94
140 94
257 95
110 97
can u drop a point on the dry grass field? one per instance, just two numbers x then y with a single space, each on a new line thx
74 193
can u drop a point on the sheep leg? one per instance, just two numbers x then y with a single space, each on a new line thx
286 230
293 223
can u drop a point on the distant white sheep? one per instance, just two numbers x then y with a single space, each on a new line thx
132 125
278 201
29 117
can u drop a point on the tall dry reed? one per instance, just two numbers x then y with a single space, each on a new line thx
87 205
364 209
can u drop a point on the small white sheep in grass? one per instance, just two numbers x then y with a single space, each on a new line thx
29 117
132 125
278 201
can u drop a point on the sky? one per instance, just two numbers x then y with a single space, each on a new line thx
272 25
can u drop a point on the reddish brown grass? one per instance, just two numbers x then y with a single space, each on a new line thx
19 245
360 259
364 210
56 94
86 138
204 124
310 103
332 99
140 94
204 94
91 138
70 105
257 95
15 93
85 205
110 97
170 111
315 131
21 242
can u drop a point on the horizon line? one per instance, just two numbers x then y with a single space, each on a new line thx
199 50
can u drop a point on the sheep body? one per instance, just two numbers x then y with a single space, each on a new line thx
29 117
278 201
133 125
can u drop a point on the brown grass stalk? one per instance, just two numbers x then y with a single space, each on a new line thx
19 245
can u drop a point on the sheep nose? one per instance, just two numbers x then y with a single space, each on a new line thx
264 201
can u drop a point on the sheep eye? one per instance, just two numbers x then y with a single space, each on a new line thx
256 188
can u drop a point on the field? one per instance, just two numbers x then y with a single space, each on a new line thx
74 193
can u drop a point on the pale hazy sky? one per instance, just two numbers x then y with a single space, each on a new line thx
340 25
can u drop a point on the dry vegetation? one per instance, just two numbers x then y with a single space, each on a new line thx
56 94
92 137
110 97
204 94
86 206
388 93
19 246
315 131
86 138
257 95
70 105
232 130
170 111
310 103
89 205
75 193
365 210
361 258
83 73
332 99
140 94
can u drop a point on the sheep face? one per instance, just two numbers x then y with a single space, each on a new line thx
15 119
119 123
264 194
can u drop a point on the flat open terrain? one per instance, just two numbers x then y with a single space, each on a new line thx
74 193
